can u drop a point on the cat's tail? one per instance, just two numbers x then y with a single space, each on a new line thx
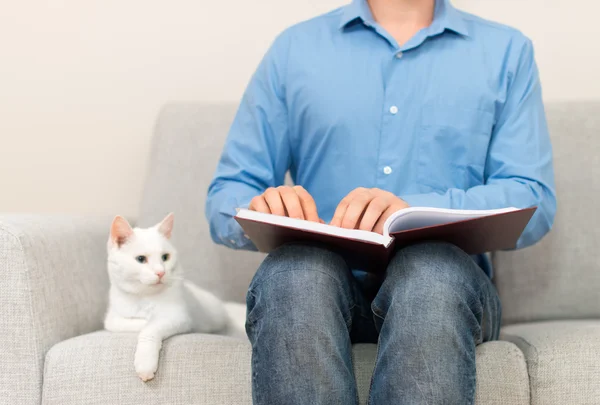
211 315
207 311
237 320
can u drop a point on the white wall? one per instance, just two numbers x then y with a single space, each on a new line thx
565 35
81 81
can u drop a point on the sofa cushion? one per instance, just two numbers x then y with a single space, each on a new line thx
97 369
501 375
210 370
559 278
563 359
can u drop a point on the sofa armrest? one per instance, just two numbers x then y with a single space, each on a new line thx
53 286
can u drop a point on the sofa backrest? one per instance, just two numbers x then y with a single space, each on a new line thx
558 278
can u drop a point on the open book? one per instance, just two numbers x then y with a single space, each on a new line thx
474 231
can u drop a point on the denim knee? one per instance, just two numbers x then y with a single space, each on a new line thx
431 277
300 282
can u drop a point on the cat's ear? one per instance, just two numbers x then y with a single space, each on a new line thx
120 231
166 226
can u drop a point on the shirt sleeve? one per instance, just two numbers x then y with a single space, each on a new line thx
518 171
256 154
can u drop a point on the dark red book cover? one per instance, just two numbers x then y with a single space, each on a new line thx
474 236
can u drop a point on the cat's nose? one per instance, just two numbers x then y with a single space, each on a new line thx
160 274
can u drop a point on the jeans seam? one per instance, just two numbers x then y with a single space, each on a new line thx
348 321
377 311
495 318
473 387
254 374
250 319
369 397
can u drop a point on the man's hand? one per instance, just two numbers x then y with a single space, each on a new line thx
366 209
293 202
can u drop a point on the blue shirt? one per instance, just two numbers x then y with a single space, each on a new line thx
453 118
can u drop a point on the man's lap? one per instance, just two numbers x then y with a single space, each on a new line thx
426 267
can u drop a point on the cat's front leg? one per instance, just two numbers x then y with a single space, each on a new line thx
146 357
150 342
116 323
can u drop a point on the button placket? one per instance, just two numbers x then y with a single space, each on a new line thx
391 123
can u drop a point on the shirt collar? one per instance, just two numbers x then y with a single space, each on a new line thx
358 9
445 16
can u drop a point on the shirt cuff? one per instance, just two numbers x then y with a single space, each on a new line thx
234 237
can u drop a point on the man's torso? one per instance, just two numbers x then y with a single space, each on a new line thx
364 112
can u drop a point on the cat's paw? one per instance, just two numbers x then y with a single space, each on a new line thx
145 375
146 363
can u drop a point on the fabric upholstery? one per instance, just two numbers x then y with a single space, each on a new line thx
186 147
54 286
193 369
501 375
560 277
211 370
563 359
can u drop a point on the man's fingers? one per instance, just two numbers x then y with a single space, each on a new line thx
366 209
355 210
373 212
361 209
259 204
291 201
378 228
309 208
273 200
340 211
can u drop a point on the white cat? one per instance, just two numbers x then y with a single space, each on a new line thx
149 295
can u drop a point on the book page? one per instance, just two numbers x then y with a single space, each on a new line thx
419 217
325 229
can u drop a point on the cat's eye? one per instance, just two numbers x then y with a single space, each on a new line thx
165 257
141 259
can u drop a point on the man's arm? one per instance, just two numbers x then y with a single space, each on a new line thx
256 155
519 168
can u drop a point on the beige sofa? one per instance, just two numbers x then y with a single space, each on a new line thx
53 288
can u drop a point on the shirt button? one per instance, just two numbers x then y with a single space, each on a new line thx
394 109
232 241
399 55
387 170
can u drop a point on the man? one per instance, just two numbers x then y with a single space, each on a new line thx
374 107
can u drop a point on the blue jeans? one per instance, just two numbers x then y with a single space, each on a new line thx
427 313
